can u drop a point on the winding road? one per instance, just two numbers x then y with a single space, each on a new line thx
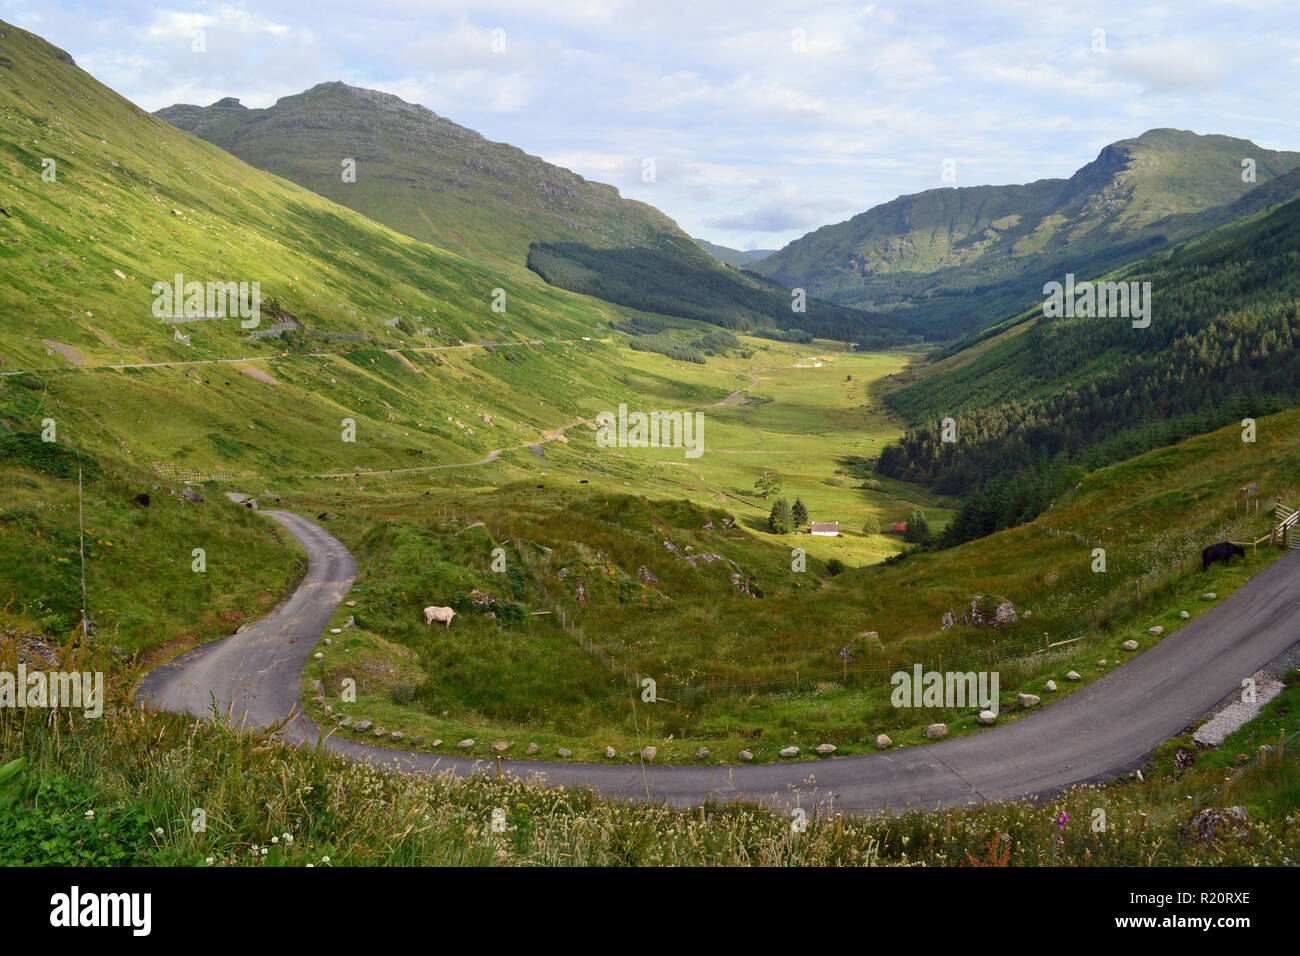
1102 730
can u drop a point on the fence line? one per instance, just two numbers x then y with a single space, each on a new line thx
1286 746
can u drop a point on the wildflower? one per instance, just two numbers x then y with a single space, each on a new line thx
158 830
264 851
90 814
208 861
324 859
288 837
1061 821
275 839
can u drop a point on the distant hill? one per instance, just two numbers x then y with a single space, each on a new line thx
424 175
948 261
733 257
431 179
1045 394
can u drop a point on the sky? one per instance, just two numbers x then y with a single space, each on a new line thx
750 123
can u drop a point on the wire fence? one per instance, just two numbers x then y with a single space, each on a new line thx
1286 747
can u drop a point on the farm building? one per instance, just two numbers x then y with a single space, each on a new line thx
898 527
830 529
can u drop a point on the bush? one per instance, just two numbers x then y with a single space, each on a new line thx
779 521
871 525
834 566
918 529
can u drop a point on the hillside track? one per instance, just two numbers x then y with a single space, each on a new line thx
1103 730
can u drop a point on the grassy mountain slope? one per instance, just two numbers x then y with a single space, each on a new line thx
1222 346
426 176
434 180
955 259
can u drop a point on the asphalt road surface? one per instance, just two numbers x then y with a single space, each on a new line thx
1103 730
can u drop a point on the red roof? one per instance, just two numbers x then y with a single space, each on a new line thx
899 527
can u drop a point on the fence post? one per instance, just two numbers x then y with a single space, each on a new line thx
1281 741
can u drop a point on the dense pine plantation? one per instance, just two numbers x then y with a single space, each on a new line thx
1068 395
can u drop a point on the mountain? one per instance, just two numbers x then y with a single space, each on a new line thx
733 257
1046 394
426 176
947 261
433 180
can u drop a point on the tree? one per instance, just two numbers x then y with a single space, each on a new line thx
918 529
778 522
799 513
871 525
834 566
768 484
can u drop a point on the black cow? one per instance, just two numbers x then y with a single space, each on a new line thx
1223 551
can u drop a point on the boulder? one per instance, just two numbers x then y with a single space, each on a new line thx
192 495
883 741
1210 596
1130 645
380 731
745 756
987 718
437 742
610 753
417 740
345 722
1184 615
1155 631
1050 686
327 642
949 619
397 735
466 743
532 749
702 753
826 748
361 726
936 731
501 746
564 753
350 603
1026 700
1003 614
646 575
649 753
790 751
1218 823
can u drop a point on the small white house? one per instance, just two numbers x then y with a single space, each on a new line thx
828 529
